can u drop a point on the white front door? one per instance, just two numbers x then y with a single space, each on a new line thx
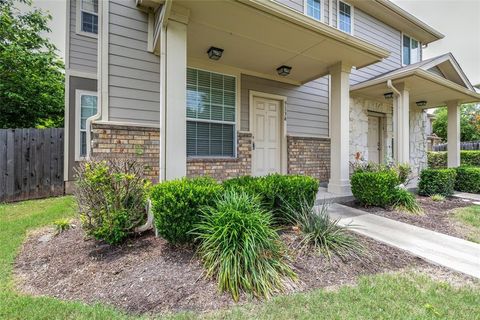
374 139
266 136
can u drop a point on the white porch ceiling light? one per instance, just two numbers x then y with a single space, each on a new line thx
284 70
421 103
215 53
388 95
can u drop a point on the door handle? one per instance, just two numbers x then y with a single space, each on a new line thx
253 145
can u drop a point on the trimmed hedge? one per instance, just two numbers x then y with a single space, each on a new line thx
468 179
374 188
437 160
278 192
176 206
437 181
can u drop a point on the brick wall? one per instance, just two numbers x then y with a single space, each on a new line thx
140 143
224 168
309 156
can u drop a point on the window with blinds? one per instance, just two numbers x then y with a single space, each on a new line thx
211 101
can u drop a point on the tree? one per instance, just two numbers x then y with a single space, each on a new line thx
31 73
469 122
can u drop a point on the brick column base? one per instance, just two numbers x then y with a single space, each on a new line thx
309 156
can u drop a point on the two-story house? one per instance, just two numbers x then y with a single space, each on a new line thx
251 87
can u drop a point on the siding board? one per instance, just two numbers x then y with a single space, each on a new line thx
307 105
83 49
134 88
374 31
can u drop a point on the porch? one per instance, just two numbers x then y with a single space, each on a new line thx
275 37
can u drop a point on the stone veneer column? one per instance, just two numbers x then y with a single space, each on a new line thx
339 131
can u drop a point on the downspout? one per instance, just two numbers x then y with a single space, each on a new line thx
396 127
166 10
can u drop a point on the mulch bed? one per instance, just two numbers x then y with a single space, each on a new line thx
147 275
437 215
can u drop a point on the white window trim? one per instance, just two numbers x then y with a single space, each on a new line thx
419 49
352 16
78 102
78 21
322 12
236 123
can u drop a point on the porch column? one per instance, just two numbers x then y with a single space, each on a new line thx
339 128
453 134
402 132
173 144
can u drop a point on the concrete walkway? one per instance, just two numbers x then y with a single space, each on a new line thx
438 248
468 196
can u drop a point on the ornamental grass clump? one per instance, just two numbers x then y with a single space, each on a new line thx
239 247
322 234
405 201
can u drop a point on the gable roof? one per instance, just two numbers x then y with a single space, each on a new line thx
444 65
436 80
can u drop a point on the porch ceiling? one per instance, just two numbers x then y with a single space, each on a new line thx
259 36
422 86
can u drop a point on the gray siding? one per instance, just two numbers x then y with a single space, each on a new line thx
75 84
134 73
307 105
294 4
334 13
83 49
374 31
298 5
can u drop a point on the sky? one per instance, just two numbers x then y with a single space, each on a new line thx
458 20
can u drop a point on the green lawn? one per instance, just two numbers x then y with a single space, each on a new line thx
470 216
404 296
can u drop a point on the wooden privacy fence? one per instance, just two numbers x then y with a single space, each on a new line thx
471 145
31 163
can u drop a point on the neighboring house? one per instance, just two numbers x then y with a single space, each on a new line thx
239 87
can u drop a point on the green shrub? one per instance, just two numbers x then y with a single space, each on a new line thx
61 225
374 188
111 196
437 160
404 172
323 234
468 179
277 192
405 201
437 197
176 206
470 158
437 181
239 247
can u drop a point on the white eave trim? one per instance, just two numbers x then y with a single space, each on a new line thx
422 74
422 25
285 13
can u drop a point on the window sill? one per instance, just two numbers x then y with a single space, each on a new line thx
212 159
87 34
